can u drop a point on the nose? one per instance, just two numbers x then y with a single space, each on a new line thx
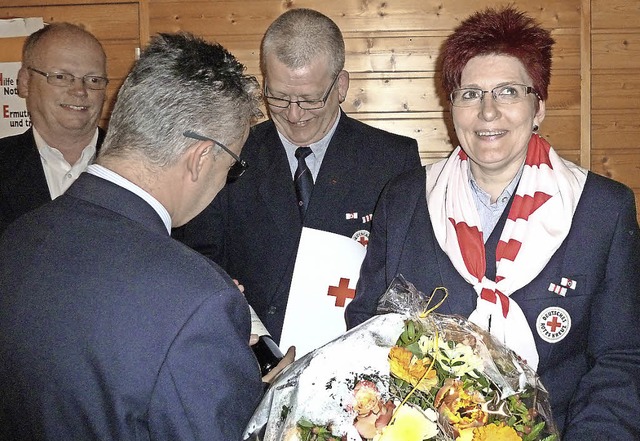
77 87
294 112
489 109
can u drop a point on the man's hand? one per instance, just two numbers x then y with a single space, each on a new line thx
289 357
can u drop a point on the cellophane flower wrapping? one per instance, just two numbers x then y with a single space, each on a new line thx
407 374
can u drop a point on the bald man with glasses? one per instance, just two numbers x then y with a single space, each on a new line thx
310 165
63 80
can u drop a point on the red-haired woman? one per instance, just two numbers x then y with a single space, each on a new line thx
537 250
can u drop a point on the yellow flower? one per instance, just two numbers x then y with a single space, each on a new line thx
408 424
411 369
460 408
490 432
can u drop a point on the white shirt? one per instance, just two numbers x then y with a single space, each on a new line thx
318 149
111 176
58 172
490 212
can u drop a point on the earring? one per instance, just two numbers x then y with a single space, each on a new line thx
535 128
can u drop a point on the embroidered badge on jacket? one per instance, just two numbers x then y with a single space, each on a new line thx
553 324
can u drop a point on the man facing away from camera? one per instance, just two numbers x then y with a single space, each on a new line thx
109 328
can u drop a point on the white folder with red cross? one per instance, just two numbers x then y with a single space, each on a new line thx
324 280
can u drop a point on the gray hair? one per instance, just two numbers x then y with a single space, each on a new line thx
180 82
30 46
300 36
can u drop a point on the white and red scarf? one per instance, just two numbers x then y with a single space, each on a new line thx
538 222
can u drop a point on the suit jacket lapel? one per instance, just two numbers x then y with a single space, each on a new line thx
29 190
276 187
335 177
30 186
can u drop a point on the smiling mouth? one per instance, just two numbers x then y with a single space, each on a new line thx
489 133
73 107
299 123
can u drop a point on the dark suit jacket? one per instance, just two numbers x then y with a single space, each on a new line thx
110 329
23 186
593 374
253 227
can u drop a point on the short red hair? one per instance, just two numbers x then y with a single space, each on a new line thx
504 31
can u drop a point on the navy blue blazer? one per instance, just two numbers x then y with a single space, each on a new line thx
253 227
111 330
23 185
593 374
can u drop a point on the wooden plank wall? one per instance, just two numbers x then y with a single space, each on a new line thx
392 56
615 76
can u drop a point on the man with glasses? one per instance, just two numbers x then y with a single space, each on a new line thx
63 79
109 328
253 227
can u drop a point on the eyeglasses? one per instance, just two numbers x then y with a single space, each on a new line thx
62 79
281 103
237 169
505 94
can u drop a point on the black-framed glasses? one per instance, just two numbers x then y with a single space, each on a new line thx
503 94
63 79
237 169
281 103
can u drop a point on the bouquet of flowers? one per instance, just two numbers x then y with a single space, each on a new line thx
409 374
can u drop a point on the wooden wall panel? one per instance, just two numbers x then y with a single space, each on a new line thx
621 165
615 14
619 50
242 17
616 90
107 22
616 129
11 48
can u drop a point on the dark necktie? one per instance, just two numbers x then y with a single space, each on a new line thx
303 180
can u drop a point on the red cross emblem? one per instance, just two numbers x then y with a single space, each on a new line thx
342 292
554 324
362 237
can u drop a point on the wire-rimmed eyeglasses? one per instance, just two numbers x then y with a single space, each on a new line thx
237 169
282 103
503 94
63 79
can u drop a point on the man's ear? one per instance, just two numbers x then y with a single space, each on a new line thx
196 155
343 85
23 82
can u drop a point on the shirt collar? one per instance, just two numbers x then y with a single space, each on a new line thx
52 153
112 176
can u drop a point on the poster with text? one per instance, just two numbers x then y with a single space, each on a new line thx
14 118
